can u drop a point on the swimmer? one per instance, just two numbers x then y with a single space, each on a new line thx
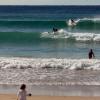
91 54
55 29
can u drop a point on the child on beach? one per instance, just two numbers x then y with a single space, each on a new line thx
22 93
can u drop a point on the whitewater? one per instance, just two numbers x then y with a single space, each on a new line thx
33 71
72 64
63 34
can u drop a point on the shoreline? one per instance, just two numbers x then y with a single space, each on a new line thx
69 90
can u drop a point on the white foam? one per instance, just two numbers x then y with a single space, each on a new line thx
63 34
83 36
25 63
51 71
95 19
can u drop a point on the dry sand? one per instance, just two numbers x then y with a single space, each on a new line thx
14 97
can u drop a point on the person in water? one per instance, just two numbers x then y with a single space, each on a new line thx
91 54
55 29
72 21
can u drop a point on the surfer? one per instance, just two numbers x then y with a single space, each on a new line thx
91 54
55 29
71 22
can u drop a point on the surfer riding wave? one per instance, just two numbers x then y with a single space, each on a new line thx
71 22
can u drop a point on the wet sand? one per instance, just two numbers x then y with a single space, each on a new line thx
8 92
43 90
14 97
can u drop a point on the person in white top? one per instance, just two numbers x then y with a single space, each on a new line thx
22 93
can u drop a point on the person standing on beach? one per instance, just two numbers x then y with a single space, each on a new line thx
22 93
91 54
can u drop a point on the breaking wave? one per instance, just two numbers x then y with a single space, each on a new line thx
62 34
72 64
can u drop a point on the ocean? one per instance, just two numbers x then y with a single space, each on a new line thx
31 53
24 31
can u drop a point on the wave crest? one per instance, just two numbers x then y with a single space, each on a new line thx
72 64
86 23
62 34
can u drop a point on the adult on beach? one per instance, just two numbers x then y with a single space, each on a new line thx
22 93
91 54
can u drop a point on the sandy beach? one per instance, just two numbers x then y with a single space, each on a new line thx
13 97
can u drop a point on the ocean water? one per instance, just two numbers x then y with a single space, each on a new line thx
31 53
26 31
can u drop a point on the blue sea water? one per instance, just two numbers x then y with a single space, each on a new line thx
26 31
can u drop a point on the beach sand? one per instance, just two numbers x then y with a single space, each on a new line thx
14 97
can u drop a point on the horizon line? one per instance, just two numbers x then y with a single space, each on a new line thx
46 5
